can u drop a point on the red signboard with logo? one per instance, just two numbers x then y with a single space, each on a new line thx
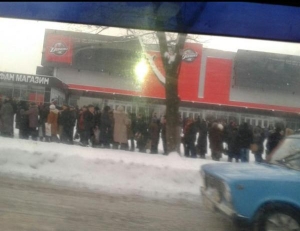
188 76
58 48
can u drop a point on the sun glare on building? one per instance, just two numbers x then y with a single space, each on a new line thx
141 69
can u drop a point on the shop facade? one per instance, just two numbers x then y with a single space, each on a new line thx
33 88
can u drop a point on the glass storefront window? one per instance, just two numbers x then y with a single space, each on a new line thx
6 92
22 92
128 109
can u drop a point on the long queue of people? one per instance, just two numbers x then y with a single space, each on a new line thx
235 141
116 129
107 128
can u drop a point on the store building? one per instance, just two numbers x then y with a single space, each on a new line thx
81 69
36 88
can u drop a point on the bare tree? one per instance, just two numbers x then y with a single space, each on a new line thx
171 49
172 62
172 58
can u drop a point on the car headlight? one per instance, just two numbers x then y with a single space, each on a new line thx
214 194
227 192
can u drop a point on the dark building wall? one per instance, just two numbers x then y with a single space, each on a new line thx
266 78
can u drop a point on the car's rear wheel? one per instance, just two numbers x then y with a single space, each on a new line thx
278 219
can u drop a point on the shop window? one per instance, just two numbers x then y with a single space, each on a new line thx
142 110
233 118
7 92
134 109
259 123
16 93
242 120
23 94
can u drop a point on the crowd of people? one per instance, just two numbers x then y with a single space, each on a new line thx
116 129
105 128
235 141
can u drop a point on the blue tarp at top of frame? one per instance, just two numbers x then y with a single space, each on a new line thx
237 19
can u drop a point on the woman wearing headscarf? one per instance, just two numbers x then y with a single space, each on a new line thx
52 120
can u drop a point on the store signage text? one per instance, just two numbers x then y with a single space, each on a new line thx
22 78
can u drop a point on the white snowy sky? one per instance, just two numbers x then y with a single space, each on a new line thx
21 43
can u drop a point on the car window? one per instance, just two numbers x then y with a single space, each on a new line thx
227 88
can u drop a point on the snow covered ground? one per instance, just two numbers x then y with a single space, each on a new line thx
113 171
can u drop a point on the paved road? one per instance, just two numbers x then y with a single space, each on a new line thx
30 205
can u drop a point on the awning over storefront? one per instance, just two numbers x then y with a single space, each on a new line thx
40 80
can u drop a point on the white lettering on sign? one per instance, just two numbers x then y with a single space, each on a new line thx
7 76
59 49
13 77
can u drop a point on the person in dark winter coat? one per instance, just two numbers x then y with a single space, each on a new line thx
110 133
202 138
133 131
189 138
245 139
230 137
7 119
23 123
67 122
14 104
164 133
59 124
33 116
105 126
258 140
18 115
89 124
154 130
73 120
216 140
80 123
178 137
141 133
274 139
43 114
96 130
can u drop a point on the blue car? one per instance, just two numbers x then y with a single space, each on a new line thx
263 196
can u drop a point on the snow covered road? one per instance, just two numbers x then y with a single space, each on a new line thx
27 205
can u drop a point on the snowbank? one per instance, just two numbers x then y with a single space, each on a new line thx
113 171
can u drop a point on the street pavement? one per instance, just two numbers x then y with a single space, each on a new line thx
33 205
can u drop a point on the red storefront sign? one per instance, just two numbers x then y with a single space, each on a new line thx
188 81
58 48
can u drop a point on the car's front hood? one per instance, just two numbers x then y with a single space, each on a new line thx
243 171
